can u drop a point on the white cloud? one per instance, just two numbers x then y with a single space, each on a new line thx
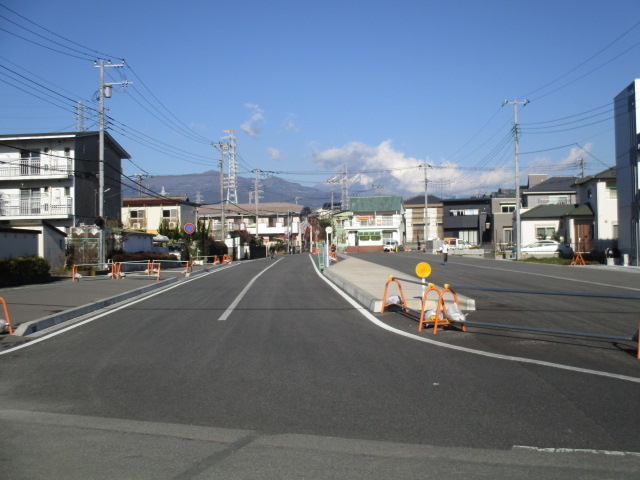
253 126
289 123
275 154
382 164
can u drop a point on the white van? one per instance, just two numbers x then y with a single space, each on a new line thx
390 245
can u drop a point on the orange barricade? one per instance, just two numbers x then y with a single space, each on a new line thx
386 289
116 270
74 273
578 260
226 259
6 316
431 318
153 269
441 311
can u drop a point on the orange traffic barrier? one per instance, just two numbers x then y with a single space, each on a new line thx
6 316
154 269
431 318
226 259
333 257
441 311
578 260
392 279
74 273
116 270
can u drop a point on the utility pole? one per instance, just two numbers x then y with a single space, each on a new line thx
140 177
515 143
256 194
105 92
426 206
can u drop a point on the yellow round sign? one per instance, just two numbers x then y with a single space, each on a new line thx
423 270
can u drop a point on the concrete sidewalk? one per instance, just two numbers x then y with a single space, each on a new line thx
33 308
365 281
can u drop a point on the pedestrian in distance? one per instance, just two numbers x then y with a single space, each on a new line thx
272 252
445 253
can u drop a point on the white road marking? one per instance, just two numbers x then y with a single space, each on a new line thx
614 453
483 353
109 312
234 304
552 276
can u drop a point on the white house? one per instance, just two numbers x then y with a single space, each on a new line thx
374 221
600 192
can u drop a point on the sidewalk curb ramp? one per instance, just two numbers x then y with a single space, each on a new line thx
365 281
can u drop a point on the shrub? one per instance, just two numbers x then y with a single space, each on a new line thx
24 270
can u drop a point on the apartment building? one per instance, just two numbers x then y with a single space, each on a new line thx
146 213
51 180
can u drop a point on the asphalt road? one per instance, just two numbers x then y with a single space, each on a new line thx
263 370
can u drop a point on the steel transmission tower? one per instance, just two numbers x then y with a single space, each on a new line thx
232 179
345 190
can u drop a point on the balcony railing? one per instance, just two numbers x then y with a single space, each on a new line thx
43 206
393 221
36 167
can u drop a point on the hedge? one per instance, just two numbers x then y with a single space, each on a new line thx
24 268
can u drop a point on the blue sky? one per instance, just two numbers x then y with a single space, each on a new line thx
380 86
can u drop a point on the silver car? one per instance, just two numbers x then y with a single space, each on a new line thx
547 246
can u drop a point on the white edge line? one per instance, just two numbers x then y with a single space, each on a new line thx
498 356
615 453
110 311
234 304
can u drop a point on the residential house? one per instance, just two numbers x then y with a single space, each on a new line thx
417 229
467 219
553 191
275 221
503 206
146 213
374 220
600 193
560 222
627 138
51 180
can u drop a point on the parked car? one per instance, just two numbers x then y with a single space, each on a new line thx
390 245
546 246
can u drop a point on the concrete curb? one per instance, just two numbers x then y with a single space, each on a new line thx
362 296
34 326
29 328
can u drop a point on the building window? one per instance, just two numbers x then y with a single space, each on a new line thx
545 233
369 236
612 193
507 207
558 199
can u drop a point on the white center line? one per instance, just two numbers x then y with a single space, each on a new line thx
234 304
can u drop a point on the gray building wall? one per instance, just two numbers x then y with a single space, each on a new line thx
627 142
